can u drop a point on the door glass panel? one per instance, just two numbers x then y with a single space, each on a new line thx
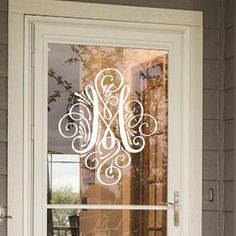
74 222
107 125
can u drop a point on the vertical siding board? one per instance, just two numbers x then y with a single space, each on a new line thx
3 125
3 108
3 93
210 223
228 104
3 60
3 190
3 229
211 74
228 224
3 5
210 135
229 44
211 44
3 158
3 27
229 67
211 104
228 13
228 196
228 73
210 165
229 166
229 134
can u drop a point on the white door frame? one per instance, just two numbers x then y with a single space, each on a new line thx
20 134
94 32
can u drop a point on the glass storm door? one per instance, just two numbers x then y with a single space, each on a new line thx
107 126
107 138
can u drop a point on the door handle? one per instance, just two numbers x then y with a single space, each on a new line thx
176 208
176 205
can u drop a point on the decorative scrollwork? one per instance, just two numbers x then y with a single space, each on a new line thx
103 148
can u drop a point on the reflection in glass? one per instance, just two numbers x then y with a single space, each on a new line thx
70 69
64 187
72 222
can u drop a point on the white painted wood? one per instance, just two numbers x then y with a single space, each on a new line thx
28 141
108 207
15 127
192 135
105 12
147 20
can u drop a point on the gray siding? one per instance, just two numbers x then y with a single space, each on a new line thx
3 108
228 121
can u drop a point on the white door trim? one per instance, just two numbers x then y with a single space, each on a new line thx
105 12
19 132
124 34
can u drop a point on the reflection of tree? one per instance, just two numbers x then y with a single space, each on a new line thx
95 58
60 217
65 87
63 195
91 59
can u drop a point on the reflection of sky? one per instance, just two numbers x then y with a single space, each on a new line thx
64 171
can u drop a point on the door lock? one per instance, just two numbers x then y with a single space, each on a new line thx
176 206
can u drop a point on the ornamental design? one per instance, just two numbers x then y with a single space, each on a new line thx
106 126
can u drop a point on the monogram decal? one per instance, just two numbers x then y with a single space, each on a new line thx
107 125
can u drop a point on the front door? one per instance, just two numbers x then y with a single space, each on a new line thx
107 109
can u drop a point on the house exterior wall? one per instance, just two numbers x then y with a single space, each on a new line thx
217 115
3 109
228 120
